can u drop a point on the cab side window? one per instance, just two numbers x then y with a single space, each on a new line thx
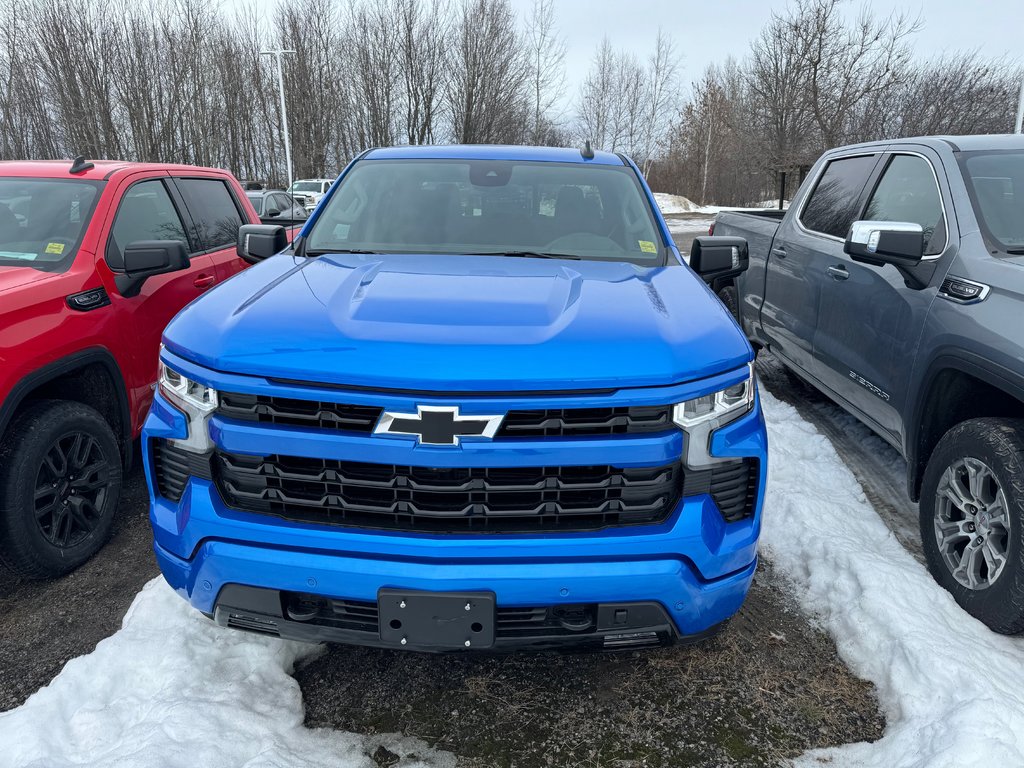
832 206
145 213
213 211
907 192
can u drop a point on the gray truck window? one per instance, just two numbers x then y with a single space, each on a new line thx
213 210
257 201
832 206
145 213
996 180
907 192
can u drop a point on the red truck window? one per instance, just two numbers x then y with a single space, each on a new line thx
213 210
145 213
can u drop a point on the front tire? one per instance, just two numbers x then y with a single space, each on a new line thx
60 483
972 519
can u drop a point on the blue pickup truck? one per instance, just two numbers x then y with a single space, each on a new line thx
895 285
479 403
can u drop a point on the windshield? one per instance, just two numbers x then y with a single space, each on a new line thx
306 186
996 183
43 220
566 210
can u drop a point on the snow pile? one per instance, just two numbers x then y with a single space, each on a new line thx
171 689
675 203
950 688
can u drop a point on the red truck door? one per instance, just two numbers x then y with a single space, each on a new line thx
147 207
216 214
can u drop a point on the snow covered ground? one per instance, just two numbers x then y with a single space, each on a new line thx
670 204
171 689
950 688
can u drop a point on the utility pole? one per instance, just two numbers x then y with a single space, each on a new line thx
1020 110
278 53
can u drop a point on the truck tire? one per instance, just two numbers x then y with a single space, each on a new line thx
60 482
972 519
730 298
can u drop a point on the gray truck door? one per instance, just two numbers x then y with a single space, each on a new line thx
806 244
870 322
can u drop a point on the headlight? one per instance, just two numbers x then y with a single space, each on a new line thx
197 401
719 407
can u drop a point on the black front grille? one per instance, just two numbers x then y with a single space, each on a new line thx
551 422
298 413
732 484
563 422
501 499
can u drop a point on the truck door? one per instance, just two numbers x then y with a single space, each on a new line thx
805 245
216 217
148 210
870 321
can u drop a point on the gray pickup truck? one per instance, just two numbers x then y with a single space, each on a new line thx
895 285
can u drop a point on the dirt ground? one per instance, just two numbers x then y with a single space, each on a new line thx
768 687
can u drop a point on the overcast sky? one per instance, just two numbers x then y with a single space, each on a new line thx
706 31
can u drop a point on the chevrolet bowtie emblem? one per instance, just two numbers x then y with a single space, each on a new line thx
437 425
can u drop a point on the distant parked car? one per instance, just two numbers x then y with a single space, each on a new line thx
311 190
275 206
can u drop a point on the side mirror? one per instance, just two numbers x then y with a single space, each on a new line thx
272 212
145 258
257 242
900 243
714 258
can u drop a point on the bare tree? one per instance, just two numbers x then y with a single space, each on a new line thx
844 65
423 32
487 88
546 51
599 98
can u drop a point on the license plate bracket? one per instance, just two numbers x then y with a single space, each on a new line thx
436 620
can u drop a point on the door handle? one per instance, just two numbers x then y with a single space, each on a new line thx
780 252
204 281
838 273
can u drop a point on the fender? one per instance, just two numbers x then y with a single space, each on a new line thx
62 367
964 361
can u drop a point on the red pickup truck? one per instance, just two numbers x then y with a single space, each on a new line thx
95 259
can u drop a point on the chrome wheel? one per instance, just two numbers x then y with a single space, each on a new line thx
972 523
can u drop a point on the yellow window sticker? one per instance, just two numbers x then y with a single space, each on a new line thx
647 246
57 248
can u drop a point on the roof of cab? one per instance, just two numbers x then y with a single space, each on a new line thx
989 141
103 169
492 152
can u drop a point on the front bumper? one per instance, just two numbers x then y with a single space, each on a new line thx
694 567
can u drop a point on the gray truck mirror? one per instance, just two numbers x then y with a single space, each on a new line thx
900 243
714 258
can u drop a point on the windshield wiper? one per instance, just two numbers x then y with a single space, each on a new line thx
341 250
530 255
1015 251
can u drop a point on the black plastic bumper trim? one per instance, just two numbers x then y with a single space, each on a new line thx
261 610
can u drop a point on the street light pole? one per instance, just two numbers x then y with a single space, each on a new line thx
278 53
1020 110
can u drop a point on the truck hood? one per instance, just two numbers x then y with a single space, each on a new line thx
461 323
13 277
